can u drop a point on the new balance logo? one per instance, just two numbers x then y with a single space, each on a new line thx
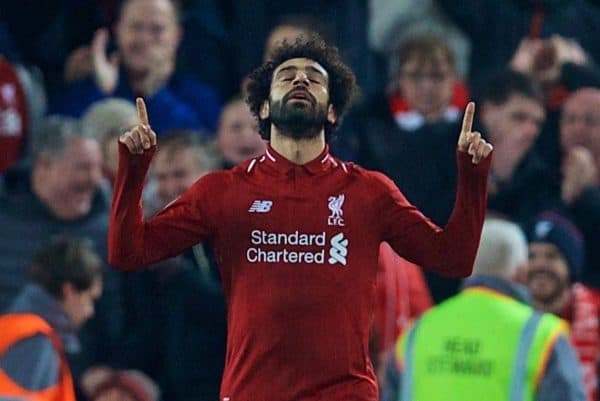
338 250
261 206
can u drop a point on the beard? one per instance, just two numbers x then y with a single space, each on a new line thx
298 120
552 287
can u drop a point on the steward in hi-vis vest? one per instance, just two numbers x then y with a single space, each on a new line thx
473 364
487 343
20 327
39 329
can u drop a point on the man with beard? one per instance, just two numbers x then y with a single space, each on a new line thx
296 232
555 262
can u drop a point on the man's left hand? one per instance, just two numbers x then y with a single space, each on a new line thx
472 142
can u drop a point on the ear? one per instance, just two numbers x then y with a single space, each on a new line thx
265 110
331 114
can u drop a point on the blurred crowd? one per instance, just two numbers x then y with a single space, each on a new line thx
69 75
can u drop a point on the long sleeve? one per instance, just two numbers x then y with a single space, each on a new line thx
449 251
562 380
133 242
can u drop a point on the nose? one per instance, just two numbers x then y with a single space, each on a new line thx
300 79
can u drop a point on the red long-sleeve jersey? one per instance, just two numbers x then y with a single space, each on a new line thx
297 247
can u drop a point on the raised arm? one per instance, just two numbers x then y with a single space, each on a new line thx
133 242
449 251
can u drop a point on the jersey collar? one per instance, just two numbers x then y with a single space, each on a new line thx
320 164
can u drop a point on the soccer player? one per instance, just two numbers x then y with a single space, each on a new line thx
296 233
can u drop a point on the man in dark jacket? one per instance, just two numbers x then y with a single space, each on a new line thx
59 194
147 36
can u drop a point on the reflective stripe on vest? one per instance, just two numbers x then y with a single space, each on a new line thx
480 344
17 327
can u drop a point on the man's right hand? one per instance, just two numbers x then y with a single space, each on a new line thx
141 137
106 69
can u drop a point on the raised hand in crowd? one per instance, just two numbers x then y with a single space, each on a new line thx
524 58
579 172
106 67
141 137
543 59
471 141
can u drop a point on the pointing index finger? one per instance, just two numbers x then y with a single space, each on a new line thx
467 124
142 112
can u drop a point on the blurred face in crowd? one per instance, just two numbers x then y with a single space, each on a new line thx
79 305
68 183
147 33
175 170
280 34
238 138
580 122
547 273
514 125
428 85
299 99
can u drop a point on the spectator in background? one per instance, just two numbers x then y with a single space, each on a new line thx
237 136
147 36
453 353
59 194
560 66
182 159
580 185
556 256
39 329
580 124
504 24
62 186
427 88
106 120
512 115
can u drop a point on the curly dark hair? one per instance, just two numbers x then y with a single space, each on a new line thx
342 83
